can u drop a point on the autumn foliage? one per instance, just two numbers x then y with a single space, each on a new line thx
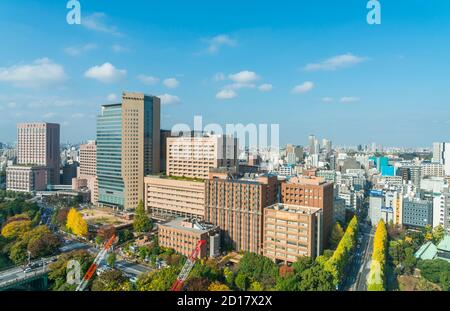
76 223
376 279
337 263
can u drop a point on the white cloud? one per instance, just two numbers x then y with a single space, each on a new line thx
78 50
327 99
349 99
41 72
167 99
111 97
171 83
303 88
12 105
96 22
336 62
148 80
226 94
266 87
105 73
117 48
244 77
217 42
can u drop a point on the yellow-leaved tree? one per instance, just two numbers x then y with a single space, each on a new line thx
76 223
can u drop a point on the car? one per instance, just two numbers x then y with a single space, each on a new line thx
27 270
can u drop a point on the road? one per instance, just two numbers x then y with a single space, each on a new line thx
18 273
364 269
128 268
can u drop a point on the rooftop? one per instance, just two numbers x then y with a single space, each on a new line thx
190 225
291 208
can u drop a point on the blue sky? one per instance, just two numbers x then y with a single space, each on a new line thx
310 66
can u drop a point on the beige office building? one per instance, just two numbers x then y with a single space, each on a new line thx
87 171
292 231
193 156
169 197
26 178
38 145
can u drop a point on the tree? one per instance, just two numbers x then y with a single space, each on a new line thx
339 261
255 286
376 280
438 234
141 222
242 281
58 269
44 245
111 280
219 287
259 268
76 223
336 235
16 228
229 276
158 280
197 284
111 260
61 216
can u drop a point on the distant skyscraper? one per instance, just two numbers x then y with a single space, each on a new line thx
312 144
326 144
128 142
441 154
38 145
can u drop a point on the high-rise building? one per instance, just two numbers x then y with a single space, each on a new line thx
194 155
38 145
292 231
163 149
312 142
236 205
326 144
441 154
128 142
311 192
88 168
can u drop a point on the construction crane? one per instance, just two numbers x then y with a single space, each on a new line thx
90 272
190 262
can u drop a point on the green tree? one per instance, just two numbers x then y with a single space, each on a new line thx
111 260
229 276
438 234
141 221
158 280
255 286
242 281
336 235
111 280
58 269
259 268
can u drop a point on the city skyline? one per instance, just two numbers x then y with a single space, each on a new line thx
334 75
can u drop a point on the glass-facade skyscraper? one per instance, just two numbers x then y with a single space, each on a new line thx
109 156
128 149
